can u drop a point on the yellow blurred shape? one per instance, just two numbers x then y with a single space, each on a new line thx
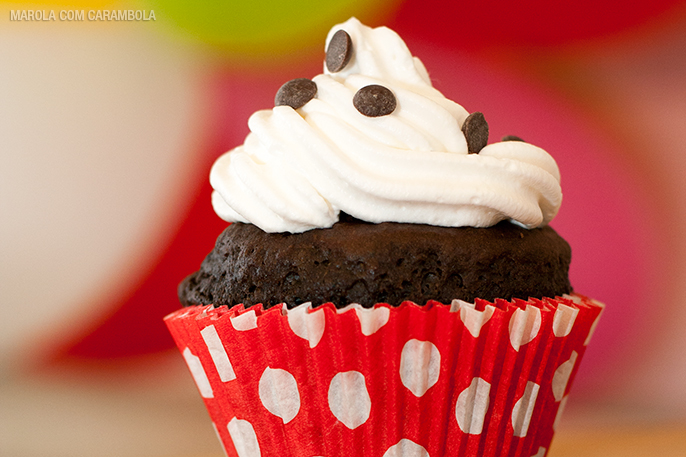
264 28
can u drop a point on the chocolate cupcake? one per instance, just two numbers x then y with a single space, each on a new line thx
358 262
389 281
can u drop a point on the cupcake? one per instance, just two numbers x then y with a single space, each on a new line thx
389 285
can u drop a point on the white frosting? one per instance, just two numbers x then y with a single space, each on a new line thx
298 168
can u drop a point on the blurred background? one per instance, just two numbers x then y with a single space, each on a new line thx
108 129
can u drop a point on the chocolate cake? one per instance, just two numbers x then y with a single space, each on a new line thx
358 262
365 186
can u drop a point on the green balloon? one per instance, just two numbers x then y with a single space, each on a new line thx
264 27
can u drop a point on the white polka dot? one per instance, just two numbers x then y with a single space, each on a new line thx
244 438
472 405
307 325
349 399
561 376
595 322
218 353
420 366
575 298
372 319
560 410
564 320
472 318
347 308
278 391
523 409
216 431
524 326
540 453
245 321
198 374
406 448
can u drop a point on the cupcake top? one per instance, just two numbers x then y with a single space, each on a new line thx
373 138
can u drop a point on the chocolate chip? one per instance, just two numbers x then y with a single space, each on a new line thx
374 101
296 93
339 52
475 129
511 138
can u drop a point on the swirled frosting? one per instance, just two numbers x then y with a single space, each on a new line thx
298 168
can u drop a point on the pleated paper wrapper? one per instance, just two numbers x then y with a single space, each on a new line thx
483 379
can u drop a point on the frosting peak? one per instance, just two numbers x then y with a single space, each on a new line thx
407 161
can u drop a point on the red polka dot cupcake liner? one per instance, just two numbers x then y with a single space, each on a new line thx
482 379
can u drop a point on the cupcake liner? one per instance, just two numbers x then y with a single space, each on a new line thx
483 379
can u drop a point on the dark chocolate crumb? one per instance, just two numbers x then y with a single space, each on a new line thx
374 101
511 138
388 262
475 129
339 51
296 93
